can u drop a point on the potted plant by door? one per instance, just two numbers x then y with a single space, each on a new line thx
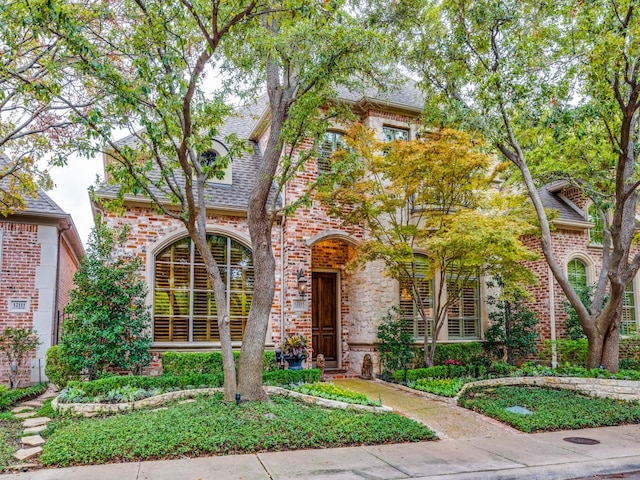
294 351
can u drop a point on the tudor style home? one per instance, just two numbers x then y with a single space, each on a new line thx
315 295
40 251
338 309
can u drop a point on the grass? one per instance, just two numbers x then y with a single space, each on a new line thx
552 409
10 431
209 426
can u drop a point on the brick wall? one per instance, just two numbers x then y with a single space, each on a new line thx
20 258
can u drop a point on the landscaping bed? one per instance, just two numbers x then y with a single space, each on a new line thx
209 426
551 409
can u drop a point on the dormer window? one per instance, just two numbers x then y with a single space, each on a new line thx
209 157
392 133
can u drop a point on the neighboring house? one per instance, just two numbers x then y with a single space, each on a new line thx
337 308
39 252
577 242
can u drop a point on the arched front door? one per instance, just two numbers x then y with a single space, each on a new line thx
324 313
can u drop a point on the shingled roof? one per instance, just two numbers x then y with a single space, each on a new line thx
551 197
235 196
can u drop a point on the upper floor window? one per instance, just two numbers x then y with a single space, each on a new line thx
392 133
596 233
184 307
577 274
331 142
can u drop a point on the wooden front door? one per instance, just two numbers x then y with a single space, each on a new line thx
324 313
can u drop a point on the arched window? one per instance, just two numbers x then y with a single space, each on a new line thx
577 274
596 233
184 308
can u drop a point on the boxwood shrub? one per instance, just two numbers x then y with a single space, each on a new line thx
163 382
466 353
188 363
181 382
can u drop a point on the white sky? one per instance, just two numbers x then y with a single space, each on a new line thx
71 190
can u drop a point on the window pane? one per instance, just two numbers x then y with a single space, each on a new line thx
629 322
412 320
577 274
181 299
391 133
331 142
463 315
596 233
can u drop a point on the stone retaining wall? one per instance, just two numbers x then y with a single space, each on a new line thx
91 409
627 390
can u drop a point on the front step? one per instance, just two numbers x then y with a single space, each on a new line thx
339 374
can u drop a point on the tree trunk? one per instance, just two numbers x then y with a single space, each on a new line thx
251 355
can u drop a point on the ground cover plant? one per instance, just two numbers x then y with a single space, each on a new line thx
211 426
129 388
552 409
9 397
334 392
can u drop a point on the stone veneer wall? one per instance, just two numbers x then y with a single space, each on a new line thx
627 390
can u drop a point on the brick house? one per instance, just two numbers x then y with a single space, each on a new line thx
338 309
40 251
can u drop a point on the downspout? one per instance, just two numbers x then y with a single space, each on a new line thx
552 318
282 281
55 324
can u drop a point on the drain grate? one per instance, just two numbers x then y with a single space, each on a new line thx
581 440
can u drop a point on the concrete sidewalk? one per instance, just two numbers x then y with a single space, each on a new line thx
472 448
537 456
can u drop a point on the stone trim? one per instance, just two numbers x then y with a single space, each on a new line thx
627 390
91 409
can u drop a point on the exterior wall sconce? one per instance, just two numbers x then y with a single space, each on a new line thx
302 283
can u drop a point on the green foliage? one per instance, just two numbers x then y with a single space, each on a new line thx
209 426
187 363
334 392
109 319
57 369
9 397
16 344
102 386
513 327
464 352
572 325
395 344
287 377
552 409
446 387
9 441
571 352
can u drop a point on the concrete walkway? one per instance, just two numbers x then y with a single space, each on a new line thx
473 448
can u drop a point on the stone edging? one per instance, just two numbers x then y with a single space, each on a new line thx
627 390
325 402
90 409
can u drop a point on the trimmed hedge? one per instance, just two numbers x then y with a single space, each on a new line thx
286 377
189 363
466 353
167 382
9 397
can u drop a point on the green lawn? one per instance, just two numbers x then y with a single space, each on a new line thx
209 426
552 409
